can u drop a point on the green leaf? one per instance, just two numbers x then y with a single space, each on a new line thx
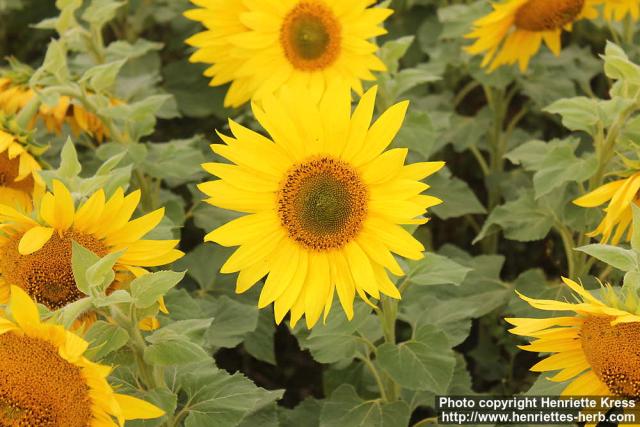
71 312
232 320
174 352
101 275
192 329
104 338
346 408
436 269
392 51
119 296
459 200
147 289
622 259
523 219
92 274
631 282
219 399
194 96
70 167
176 161
102 77
260 343
635 235
81 260
579 113
100 12
419 133
336 339
425 362
203 264
305 414
554 163
617 65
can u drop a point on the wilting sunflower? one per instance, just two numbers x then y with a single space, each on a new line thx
620 194
597 348
46 380
617 10
14 97
35 250
515 29
324 200
260 46
19 179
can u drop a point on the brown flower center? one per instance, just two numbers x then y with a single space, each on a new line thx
9 172
322 203
46 274
38 387
310 36
545 15
613 352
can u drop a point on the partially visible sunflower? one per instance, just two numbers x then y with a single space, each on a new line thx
260 46
46 380
19 179
325 202
617 10
35 250
14 97
515 29
621 195
596 349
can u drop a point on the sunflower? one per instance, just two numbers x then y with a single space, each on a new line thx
324 201
46 380
35 250
514 30
617 10
14 97
621 195
260 46
19 179
597 348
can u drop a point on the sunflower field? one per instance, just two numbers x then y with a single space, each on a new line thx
316 213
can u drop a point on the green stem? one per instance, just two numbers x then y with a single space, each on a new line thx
388 316
27 114
567 241
497 102
376 375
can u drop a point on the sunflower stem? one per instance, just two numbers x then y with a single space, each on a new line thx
498 103
388 317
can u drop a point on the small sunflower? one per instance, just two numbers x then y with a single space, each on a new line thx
324 201
19 179
14 97
260 46
617 10
597 348
621 195
35 250
46 380
515 29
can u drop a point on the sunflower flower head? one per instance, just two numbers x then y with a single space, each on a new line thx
324 201
596 348
16 94
36 248
46 380
621 195
260 46
515 29
618 10
19 179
